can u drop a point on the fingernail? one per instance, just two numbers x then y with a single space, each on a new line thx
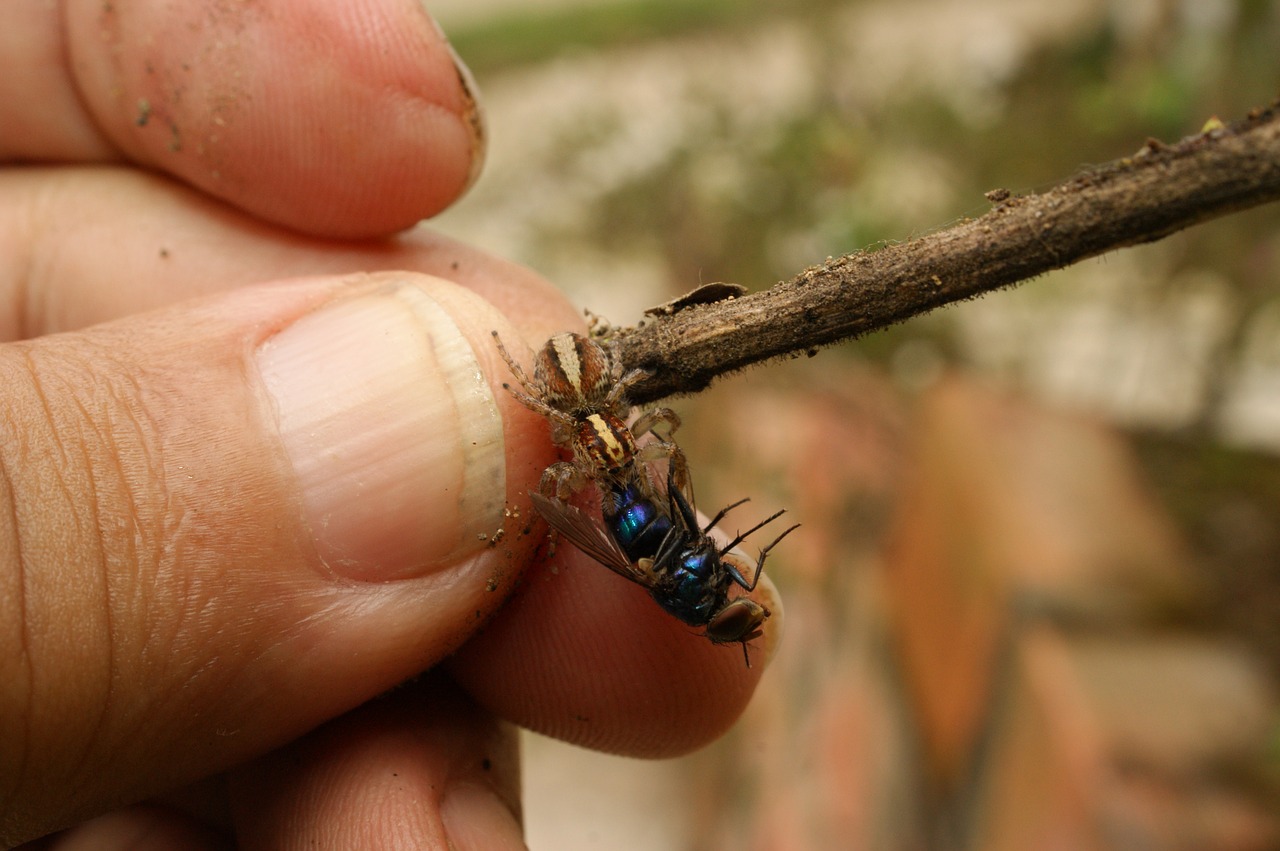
767 595
475 817
392 430
473 114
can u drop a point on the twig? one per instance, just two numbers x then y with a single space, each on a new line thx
1142 198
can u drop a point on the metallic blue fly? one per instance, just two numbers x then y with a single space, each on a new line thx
657 544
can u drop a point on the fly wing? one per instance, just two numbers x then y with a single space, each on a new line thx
590 536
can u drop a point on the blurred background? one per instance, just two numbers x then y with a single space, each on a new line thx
1035 602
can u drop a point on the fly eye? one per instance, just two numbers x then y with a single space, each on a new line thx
738 621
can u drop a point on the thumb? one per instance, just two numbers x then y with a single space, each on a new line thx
225 522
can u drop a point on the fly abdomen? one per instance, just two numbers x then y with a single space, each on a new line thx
637 524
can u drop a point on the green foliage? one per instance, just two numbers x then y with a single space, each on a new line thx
528 36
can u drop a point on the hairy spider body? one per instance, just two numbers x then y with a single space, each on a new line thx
581 390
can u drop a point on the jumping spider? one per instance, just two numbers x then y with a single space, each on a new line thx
582 391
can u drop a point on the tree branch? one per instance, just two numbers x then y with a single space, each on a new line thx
1158 191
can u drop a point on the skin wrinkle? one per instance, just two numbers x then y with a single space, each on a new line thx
213 675
150 554
134 558
23 624
27 565
195 608
93 732
121 552
78 430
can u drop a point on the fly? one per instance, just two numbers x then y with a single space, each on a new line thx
662 549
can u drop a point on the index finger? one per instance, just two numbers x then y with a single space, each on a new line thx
271 106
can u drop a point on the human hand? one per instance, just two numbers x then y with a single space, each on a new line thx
250 438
